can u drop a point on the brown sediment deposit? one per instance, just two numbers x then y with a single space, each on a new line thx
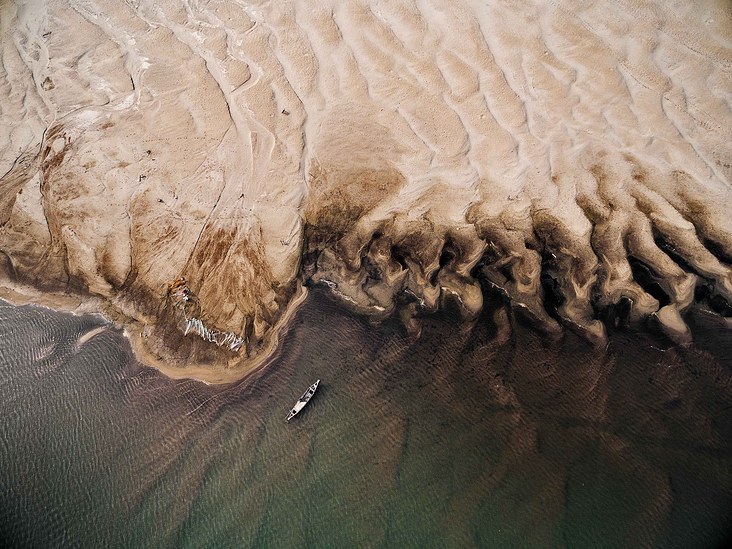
573 159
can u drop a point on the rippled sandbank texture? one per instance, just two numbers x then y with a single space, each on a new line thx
573 157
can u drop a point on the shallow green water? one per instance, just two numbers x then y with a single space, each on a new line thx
458 439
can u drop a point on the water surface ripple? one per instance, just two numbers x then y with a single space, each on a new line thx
463 438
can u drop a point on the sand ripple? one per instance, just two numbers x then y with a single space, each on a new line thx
573 156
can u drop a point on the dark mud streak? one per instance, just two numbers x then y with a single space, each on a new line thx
717 250
25 167
394 263
203 227
647 279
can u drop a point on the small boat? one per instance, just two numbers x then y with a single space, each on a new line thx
300 404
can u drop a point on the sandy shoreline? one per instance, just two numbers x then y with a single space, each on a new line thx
574 156
134 331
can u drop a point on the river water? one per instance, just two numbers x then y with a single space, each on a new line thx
466 437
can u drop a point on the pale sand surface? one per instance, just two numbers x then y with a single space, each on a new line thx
401 152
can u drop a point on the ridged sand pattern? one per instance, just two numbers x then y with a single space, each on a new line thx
573 157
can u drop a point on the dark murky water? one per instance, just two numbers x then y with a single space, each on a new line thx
460 439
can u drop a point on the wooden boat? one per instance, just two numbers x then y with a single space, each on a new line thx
300 404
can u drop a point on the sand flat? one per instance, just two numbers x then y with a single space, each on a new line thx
396 151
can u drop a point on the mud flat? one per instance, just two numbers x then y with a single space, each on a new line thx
573 158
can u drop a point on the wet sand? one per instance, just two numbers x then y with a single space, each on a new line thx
402 152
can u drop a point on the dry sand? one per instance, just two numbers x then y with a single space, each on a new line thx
397 151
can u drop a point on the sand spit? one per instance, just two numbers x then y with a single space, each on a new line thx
572 158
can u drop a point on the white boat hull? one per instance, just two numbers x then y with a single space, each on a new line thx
304 399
